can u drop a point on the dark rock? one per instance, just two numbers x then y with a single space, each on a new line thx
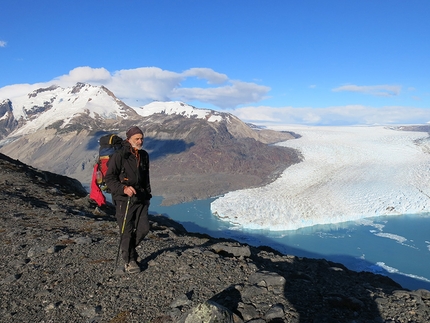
275 312
265 278
235 251
247 311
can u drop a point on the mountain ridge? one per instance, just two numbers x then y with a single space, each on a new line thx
195 153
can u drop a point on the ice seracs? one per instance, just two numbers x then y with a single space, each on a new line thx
348 173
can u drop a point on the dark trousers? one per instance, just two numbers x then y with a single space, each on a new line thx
135 229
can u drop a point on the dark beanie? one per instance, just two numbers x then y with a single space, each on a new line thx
133 131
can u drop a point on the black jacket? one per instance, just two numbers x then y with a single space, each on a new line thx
127 169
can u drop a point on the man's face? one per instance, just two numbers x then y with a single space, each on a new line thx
136 141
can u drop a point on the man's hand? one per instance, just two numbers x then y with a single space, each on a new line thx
129 191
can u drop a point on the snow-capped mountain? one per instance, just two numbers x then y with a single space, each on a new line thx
64 107
68 107
180 108
57 129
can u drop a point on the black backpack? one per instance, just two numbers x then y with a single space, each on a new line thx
108 145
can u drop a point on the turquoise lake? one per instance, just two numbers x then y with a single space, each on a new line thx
395 246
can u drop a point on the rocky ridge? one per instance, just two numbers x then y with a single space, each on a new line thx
58 265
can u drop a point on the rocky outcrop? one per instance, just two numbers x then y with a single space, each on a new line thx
58 265
7 120
195 159
419 128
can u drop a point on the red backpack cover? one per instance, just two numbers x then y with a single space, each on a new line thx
108 145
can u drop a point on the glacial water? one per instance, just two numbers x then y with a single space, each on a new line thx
395 246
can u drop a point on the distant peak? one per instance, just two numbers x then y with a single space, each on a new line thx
179 108
77 88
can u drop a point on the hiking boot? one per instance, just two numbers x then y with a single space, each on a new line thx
132 267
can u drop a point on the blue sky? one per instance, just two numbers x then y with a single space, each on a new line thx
267 61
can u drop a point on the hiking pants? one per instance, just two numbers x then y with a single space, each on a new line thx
135 229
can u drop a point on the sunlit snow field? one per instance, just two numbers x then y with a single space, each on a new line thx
348 173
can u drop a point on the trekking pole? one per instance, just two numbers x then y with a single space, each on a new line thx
122 231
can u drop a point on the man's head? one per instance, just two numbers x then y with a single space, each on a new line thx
135 137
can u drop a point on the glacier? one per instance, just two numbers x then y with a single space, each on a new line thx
348 173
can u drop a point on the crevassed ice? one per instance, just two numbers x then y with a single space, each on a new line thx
348 173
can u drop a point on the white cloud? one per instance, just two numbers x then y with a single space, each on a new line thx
339 115
144 84
228 96
206 73
84 74
377 90
3 43
140 86
16 90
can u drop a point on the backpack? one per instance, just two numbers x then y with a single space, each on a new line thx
108 145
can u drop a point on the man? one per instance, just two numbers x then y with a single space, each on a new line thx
127 178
